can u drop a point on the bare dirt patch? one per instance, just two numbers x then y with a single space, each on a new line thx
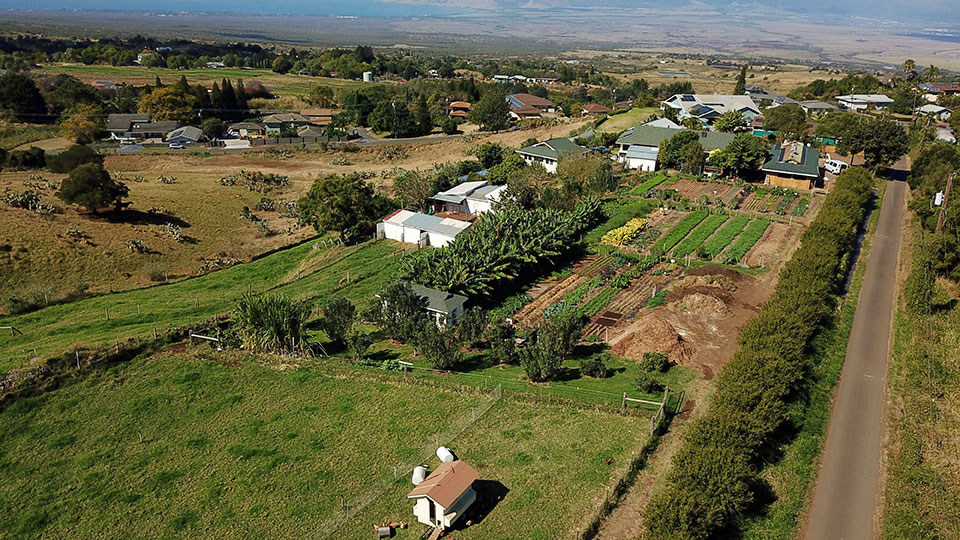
775 241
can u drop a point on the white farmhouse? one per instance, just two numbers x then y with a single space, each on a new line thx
862 102
475 197
444 496
938 112
421 229
548 153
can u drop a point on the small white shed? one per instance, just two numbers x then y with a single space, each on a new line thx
444 496
425 230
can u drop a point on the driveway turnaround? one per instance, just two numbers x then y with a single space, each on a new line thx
845 498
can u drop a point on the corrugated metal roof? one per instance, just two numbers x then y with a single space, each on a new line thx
642 152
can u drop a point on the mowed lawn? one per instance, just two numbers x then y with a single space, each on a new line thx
620 122
286 84
180 445
356 272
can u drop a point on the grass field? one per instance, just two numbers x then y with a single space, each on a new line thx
56 329
620 122
283 85
180 445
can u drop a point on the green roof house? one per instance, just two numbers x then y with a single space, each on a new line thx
792 165
548 153
640 145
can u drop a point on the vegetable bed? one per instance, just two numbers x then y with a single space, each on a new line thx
699 235
665 244
748 238
724 236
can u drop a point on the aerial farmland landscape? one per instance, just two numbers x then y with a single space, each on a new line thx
480 270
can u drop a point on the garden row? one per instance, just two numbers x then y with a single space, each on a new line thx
697 233
715 473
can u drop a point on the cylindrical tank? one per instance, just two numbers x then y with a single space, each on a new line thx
445 454
419 473
384 532
367 76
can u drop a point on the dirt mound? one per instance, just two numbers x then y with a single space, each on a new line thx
712 270
651 334
705 305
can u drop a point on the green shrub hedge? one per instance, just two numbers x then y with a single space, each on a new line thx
714 475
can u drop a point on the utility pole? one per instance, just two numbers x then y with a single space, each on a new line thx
946 198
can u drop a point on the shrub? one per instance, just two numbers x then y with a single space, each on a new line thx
503 346
559 335
399 311
266 323
709 487
358 343
438 346
594 366
73 157
32 158
470 327
337 320
538 364
647 383
167 179
265 204
658 299
90 186
655 361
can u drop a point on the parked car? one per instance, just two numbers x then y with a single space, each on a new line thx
177 146
835 166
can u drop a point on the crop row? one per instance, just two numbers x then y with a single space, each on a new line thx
719 241
785 202
801 207
750 236
699 235
598 302
643 188
677 233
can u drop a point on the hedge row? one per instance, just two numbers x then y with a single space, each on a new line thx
716 472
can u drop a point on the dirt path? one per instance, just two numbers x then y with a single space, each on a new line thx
845 498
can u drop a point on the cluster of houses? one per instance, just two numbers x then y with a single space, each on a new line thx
141 127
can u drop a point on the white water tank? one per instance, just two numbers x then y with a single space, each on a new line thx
367 76
419 473
445 454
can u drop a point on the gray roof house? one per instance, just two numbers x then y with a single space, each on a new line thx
185 135
276 123
548 153
443 306
120 126
708 107
153 130
814 106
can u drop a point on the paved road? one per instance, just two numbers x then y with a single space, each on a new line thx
845 498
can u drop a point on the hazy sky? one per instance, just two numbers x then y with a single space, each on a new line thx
935 10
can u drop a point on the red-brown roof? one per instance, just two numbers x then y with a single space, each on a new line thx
460 105
317 112
527 110
596 108
533 101
446 483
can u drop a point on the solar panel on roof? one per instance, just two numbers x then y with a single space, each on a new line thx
687 97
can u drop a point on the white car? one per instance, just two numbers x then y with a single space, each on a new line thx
835 167
176 146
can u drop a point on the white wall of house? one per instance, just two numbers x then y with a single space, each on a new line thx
646 165
393 231
421 509
439 240
549 164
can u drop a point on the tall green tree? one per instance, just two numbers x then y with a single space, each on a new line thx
20 97
882 142
789 119
422 117
730 121
345 204
492 112
741 87
746 152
